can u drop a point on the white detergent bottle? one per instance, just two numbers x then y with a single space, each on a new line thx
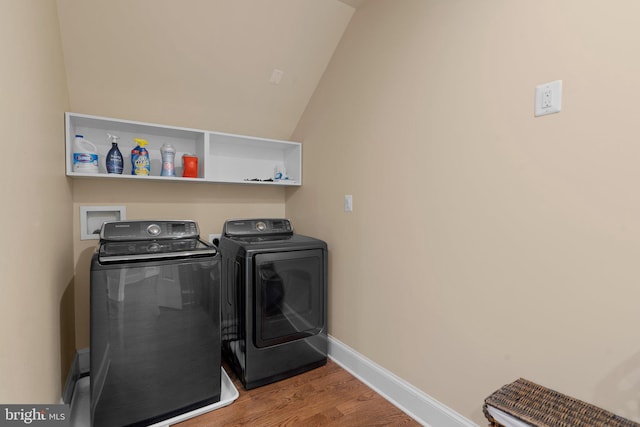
85 156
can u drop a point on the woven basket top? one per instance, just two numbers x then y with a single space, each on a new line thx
540 406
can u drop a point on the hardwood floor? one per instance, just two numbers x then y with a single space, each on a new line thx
326 396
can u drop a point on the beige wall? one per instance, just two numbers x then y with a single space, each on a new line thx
485 244
195 63
36 254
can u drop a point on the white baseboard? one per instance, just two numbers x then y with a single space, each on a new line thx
415 403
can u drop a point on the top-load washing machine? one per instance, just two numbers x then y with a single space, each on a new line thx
155 323
274 300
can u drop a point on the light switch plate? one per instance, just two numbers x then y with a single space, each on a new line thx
548 98
348 203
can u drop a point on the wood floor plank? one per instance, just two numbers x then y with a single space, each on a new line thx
325 396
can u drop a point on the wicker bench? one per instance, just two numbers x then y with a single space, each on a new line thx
542 407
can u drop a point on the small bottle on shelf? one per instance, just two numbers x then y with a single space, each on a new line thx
114 161
168 157
140 164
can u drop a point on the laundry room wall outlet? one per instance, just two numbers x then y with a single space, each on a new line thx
548 98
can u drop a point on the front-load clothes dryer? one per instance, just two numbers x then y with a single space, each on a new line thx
155 323
274 300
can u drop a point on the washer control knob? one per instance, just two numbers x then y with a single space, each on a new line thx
261 226
153 229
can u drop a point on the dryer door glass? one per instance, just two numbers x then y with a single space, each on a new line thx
289 296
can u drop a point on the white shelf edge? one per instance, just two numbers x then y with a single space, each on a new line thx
135 177
101 176
134 122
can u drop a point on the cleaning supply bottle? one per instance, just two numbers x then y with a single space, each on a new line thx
140 164
114 161
189 165
168 157
280 173
85 156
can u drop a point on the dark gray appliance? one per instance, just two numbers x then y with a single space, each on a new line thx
274 300
155 323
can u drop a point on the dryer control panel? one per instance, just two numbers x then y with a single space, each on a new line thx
257 227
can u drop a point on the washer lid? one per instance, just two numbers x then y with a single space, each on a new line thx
154 249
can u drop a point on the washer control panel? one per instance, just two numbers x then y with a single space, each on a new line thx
148 230
257 227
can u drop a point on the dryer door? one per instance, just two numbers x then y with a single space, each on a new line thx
289 295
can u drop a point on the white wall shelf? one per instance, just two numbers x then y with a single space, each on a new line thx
222 157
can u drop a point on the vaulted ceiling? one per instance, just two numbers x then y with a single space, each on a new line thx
236 66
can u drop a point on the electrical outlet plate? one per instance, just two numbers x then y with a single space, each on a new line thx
548 98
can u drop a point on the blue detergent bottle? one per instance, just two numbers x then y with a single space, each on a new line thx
114 161
140 164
